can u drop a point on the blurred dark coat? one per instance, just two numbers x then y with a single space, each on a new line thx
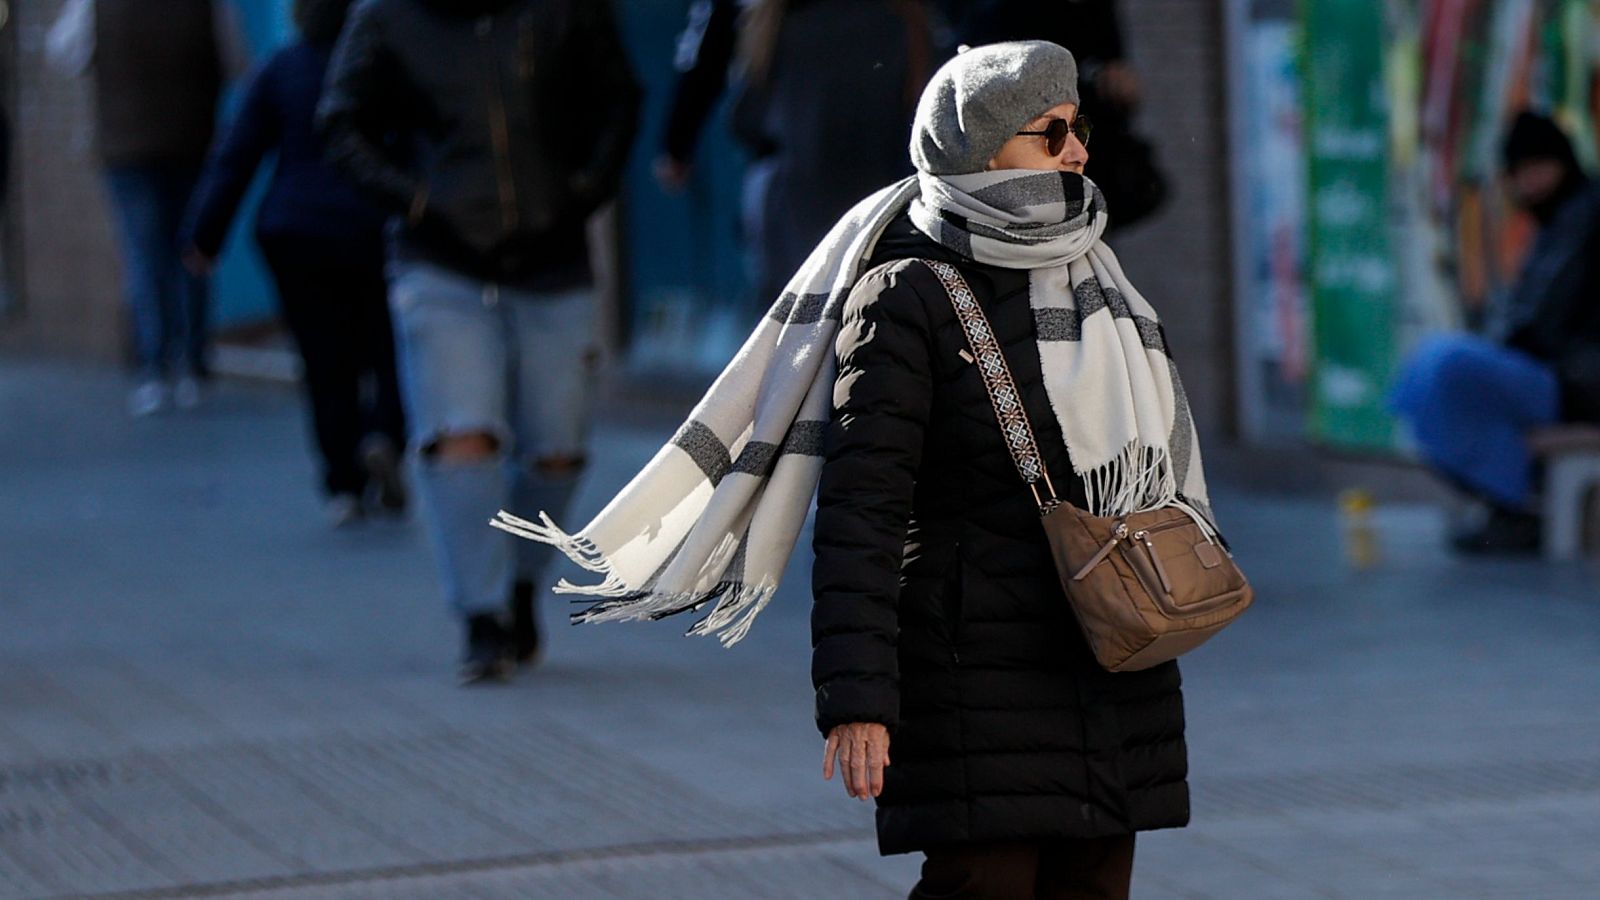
832 119
1089 28
1553 310
307 196
158 73
1121 162
504 123
937 606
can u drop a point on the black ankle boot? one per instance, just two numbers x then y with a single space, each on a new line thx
526 640
385 485
489 656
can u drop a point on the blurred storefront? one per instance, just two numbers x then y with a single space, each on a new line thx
1367 210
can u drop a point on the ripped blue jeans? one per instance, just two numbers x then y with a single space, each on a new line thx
480 358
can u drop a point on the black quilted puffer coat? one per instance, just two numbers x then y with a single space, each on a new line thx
938 611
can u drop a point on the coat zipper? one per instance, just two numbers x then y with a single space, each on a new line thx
499 129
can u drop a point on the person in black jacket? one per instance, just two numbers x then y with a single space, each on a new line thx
491 130
324 244
1021 768
1471 400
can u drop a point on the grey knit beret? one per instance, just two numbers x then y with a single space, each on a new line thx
978 100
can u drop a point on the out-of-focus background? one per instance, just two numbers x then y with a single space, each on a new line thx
206 690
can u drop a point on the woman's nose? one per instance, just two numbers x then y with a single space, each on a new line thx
1074 153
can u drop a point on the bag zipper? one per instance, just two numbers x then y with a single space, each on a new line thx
1117 537
1122 533
1155 558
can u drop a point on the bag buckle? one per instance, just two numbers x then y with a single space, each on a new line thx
1047 505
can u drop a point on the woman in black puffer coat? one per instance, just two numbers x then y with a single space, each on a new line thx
942 638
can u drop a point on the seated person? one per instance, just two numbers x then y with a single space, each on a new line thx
1471 400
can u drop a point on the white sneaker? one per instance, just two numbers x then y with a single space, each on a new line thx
186 393
147 399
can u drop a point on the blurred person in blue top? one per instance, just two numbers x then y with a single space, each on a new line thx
156 72
1472 400
324 244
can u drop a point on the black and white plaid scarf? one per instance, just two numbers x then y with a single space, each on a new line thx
712 519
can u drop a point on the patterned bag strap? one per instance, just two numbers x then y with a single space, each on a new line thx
1003 393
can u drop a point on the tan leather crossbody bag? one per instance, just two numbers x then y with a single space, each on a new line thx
1146 588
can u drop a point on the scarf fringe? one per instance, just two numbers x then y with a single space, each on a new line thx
1138 478
730 620
1153 485
575 547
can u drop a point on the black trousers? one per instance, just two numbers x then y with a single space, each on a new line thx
335 301
1098 868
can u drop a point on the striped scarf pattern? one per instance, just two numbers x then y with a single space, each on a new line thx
709 524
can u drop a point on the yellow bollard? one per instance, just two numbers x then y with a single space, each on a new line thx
1361 546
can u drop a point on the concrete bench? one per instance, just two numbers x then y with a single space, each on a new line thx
1571 455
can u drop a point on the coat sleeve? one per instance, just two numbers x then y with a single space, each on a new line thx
873 449
705 52
252 134
612 107
360 108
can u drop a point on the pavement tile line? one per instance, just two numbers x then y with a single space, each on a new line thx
47 799
411 801
507 863
1392 788
299 727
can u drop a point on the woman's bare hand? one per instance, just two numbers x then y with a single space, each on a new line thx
861 750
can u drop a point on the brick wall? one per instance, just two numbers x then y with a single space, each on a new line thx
1181 259
68 290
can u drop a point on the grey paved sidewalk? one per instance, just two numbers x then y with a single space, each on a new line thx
204 691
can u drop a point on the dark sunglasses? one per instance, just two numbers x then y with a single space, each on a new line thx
1055 134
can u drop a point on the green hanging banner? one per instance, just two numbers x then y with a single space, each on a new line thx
1353 273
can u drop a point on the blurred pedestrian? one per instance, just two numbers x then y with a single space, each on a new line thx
815 156
703 58
324 244
1472 400
492 170
1125 167
158 68
1021 768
